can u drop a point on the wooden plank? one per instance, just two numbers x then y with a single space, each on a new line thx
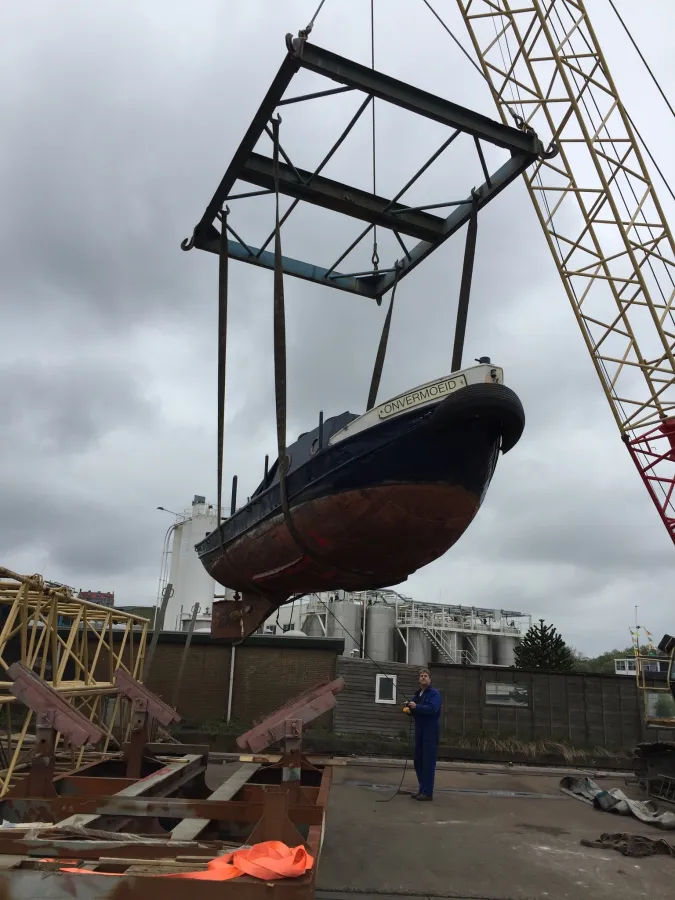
189 829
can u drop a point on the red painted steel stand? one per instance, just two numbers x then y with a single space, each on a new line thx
178 825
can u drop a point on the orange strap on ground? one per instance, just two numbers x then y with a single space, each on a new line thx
267 860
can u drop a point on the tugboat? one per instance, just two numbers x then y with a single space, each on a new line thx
371 498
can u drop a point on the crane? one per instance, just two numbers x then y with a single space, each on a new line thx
596 203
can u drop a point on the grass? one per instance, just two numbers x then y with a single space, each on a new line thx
544 747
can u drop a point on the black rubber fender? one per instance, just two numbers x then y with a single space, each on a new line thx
492 401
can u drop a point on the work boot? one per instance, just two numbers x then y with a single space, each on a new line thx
423 797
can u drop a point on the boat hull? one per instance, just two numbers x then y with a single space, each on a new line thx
367 513
360 540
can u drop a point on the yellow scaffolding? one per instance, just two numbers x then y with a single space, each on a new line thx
75 646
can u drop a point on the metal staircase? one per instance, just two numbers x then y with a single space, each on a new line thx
439 639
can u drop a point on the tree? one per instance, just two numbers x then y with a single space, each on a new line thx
604 663
543 648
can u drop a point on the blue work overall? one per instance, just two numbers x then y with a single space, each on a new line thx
426 714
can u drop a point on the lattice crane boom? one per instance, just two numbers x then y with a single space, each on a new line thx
603 221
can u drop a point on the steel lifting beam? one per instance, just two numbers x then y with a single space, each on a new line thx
429 229
384 87
342 198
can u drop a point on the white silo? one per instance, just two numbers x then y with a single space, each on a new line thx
380 625
191 582
504 649
419 647
343 620
479 651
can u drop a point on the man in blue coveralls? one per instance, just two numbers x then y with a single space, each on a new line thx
425 708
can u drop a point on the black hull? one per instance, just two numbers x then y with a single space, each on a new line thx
375 506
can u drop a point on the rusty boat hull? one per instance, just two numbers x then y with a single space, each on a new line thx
372 498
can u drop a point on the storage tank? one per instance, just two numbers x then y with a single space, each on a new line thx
191 582
312 626
504 649
380 625
479 650
345 622
419 647
452 645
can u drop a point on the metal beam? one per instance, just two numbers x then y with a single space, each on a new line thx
353 74
502 177
372 286
342 198
24 809
265 259
283 78
190 829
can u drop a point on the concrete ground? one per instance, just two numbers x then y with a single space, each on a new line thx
470 843
491 833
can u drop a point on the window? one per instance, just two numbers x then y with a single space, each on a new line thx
660 705
650 666
498 693
620 665
385 688
287 627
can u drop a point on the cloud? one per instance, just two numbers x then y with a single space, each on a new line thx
119 123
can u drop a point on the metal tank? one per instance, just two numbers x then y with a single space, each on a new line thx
380 625
419 647
504 650
452 646
312 626
345 623
191 582
478 648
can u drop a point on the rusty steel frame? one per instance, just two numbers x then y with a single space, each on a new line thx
89 812
48 629
602 218
248 798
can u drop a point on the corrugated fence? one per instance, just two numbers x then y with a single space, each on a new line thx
581 709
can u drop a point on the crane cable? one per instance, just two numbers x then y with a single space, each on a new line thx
640 54
380 671
280 385
660 90
375 259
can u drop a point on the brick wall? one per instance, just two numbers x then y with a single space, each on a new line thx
203 691
267 677
268 672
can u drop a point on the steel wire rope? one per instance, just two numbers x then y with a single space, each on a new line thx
545 199
539 179
621 194
640 54
649 263
395 690
375 259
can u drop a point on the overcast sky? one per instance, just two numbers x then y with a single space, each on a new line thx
118 120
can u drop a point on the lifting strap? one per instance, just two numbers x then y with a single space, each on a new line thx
222 356
280 374
465 286
382 348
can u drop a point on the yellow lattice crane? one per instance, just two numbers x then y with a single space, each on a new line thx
603 221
